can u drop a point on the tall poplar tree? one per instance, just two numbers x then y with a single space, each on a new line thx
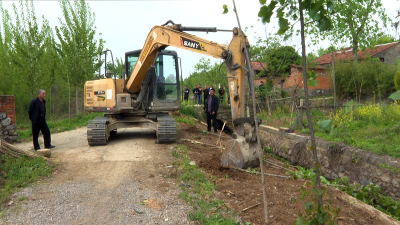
78 46
5 47
28 47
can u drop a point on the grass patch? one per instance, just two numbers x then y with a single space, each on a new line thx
199 192
185 119
188 110
58 125
373 127
22 172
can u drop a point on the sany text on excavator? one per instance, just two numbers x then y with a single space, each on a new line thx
145 97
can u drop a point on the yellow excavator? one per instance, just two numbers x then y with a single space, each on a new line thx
151 90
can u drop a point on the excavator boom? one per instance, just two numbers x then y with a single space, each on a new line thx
162 36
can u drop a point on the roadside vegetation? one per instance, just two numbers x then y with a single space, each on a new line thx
21 172
369 194
199 192
372 127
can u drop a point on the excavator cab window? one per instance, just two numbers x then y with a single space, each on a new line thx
167 77
131 59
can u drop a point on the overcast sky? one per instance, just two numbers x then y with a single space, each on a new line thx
125 24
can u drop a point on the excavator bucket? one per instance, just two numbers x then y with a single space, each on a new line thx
240 153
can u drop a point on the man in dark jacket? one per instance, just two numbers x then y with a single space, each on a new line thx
211 108
206 93
37 115
200 95
221 93
186 91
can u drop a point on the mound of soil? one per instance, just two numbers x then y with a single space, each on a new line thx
241 190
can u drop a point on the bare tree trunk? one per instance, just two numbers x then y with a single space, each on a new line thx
69 100
355 48
310 125
77 98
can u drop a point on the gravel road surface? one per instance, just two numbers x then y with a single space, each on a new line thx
120 183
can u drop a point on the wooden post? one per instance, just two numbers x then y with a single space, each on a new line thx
301 113
334 84
352 111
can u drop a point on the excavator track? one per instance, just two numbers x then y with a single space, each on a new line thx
166 129
97 131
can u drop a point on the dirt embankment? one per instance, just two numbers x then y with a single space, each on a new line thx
240 190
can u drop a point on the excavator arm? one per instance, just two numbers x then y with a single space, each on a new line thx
162 36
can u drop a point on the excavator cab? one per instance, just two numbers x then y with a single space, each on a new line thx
162 92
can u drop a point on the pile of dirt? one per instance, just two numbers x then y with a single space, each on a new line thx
241 190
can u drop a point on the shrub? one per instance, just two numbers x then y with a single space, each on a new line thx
369 77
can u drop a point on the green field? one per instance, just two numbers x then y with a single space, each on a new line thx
371 127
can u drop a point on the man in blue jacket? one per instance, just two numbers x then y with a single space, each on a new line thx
211 108
37 115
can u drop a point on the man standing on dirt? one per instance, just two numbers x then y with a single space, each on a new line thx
211 108
195 90
186 91
37 115
206 93
200 94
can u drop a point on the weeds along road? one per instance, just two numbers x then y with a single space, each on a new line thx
103 184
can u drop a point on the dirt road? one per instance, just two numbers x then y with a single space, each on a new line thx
103 184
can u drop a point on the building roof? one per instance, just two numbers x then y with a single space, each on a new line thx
258 66
347 54
317 67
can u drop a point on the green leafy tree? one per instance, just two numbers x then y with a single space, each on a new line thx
281 58
119 67
78 47
322 51
277 57
356 21
384 39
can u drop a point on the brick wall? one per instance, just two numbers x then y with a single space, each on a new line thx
296 77
7 105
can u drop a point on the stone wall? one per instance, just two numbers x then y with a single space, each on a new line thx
8 121
337 159
390 55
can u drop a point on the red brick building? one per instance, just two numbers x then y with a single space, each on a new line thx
296 77
7 105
